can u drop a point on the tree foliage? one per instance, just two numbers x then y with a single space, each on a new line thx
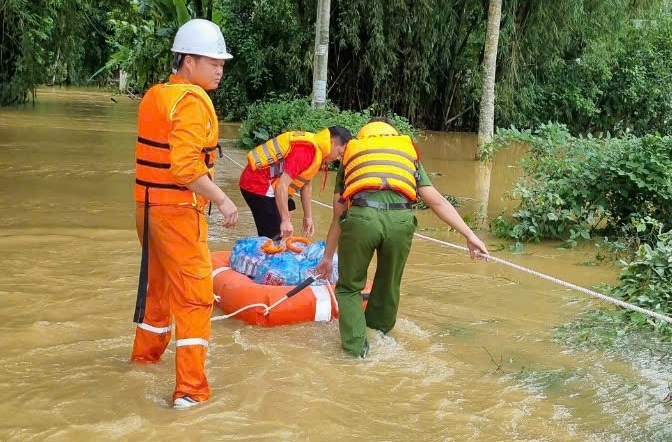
593 65
421 59
50 42
272 44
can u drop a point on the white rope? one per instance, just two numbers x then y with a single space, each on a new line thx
233 161
219 318
284 298
565 284
267 309
275 304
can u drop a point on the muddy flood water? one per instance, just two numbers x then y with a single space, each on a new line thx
69 263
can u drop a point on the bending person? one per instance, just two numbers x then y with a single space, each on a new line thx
279 168
380 176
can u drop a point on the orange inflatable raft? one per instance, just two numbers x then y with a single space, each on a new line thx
235 291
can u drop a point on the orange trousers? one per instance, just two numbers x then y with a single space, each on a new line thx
180 286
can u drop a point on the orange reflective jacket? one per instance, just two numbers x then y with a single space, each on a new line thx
166 162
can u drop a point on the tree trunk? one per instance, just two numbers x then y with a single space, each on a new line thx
483 178
198 8
486 121
58 57
208 13
321 53
123 80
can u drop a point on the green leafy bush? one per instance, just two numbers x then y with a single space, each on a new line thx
620 188
574 188
267 119
646 281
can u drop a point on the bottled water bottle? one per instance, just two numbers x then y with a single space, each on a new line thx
314 251
246 255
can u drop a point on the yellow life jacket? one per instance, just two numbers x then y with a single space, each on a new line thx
272 153
381 163
152 151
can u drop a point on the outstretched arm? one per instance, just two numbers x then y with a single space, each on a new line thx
447 213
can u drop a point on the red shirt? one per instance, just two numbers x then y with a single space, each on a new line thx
299 159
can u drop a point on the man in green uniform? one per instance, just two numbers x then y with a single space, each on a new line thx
379 177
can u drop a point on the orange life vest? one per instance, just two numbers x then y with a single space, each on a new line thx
152 151
387 162
272 153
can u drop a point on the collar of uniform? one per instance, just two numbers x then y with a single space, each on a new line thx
176 79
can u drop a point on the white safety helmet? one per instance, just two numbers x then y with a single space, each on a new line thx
201 37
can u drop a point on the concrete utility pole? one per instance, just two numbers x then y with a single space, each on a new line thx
321 53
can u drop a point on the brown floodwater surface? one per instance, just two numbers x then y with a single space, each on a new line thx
69 263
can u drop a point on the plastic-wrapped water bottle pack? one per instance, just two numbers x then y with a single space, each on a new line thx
279 269
247 256
284 268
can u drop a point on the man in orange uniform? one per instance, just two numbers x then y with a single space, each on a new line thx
279 168
177 136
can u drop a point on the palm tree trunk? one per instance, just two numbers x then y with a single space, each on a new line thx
486 121
320 63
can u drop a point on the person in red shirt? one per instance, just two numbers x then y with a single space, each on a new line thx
268 189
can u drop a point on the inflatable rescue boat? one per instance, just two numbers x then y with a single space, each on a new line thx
270 305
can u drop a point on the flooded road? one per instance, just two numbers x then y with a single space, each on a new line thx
472 357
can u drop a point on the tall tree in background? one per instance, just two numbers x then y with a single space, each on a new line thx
486 120
51 42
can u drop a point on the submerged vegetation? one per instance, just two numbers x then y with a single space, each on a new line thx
614 190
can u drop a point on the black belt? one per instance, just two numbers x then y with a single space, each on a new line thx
361 202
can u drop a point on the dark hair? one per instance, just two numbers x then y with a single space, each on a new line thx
341 133
178 60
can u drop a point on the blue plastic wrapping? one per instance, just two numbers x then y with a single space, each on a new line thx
286 268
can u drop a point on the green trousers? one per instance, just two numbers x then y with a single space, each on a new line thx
363 231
